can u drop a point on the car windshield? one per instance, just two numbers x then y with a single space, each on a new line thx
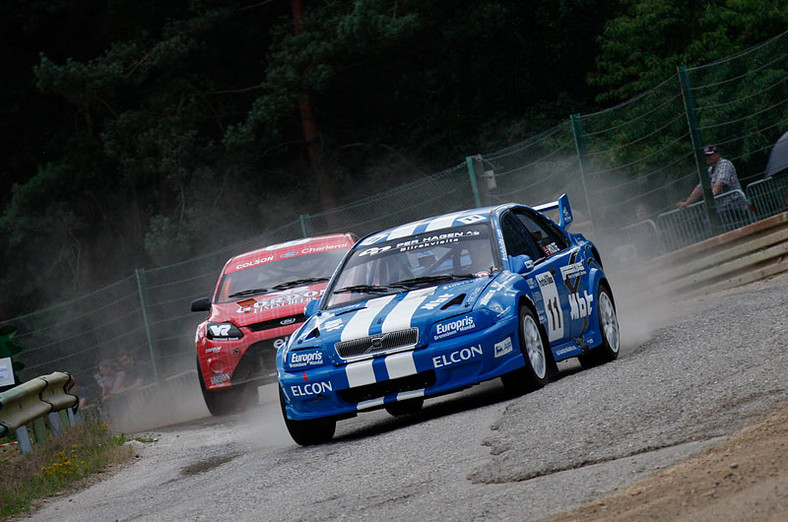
278 275
417 261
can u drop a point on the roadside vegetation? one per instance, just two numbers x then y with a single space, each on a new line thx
58 465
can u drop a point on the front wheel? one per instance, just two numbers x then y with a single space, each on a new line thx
308 432
535 373
225 402
611 334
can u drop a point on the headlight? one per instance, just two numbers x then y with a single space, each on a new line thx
223 332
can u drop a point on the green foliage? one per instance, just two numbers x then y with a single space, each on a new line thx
139 133
644 45
56 465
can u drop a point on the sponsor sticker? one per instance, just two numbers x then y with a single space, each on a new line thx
457 356
312 388
438 301
306 359
454 327
333 324
288 297
503 347
219 378
573 270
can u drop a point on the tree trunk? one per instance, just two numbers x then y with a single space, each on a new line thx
314 143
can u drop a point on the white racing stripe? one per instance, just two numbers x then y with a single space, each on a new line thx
365 405
359 324
400 365
404 230
399 318
410 395
360 373
442 222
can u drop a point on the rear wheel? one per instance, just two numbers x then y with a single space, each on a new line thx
611 335
404 407
535 373
308 432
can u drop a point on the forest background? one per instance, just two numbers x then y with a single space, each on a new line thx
140 134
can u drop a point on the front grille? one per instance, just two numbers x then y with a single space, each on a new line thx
277 323
257 364
377 390
380 343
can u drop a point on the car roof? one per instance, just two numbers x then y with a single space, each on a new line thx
288 249
435 223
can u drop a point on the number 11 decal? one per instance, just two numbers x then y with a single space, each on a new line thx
555 318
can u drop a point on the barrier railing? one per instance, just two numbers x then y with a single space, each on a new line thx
769 196
686 226
32 400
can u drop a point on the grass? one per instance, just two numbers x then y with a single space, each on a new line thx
61 464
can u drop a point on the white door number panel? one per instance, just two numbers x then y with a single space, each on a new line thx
552 306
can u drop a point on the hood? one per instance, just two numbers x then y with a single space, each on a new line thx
265 307
419 308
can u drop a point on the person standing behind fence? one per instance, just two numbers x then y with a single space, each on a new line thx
138 372
109 378
722 175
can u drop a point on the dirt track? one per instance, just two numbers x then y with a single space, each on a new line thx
744 478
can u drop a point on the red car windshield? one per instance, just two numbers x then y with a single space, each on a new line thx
278 275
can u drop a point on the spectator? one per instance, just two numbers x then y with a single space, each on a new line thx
137 372
109 378
722 175
642 212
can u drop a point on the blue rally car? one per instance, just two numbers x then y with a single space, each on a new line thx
437 305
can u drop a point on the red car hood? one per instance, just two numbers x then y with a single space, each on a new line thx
266 307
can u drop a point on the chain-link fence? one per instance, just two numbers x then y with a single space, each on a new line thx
624 170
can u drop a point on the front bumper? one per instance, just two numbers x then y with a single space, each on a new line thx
438 368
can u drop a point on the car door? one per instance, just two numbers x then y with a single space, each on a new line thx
566 264
546 273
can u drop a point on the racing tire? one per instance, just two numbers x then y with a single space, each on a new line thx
225 402
535 374
404 407
308 432
608 326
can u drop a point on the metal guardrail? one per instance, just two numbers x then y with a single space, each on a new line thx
689 225
32 400
769 197
748 254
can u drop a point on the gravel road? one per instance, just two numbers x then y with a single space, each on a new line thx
690 373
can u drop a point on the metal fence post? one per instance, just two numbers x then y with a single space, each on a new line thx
23 437
306 225
697 144
470 160
55 423
580 148
40 430
142 287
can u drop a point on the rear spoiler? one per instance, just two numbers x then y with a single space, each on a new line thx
564 210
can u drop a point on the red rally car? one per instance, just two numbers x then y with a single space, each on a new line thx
258 302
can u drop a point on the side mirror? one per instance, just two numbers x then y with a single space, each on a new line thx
521 263
202 304
311 308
